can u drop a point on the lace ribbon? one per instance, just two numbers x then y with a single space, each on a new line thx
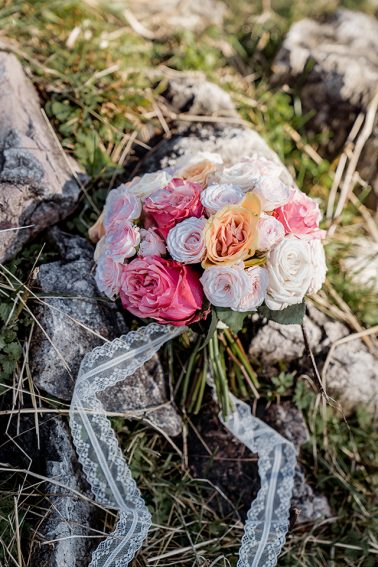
110 478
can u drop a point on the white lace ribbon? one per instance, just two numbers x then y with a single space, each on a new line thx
110 478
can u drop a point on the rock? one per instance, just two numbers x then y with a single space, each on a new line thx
38 183
64 536
74 320
334 65
352 373
216 455
289 421
193 94
156 19
273 340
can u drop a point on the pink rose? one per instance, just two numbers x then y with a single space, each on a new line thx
161 289
108 276
151 243
269 232
121 206
120 241
177 201
301 215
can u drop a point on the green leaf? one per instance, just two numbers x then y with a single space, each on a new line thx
233 319
291 315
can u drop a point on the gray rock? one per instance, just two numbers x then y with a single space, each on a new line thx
290 422
352 372
311 507
334 65
193 94
38 183
74 320
63 539
273 340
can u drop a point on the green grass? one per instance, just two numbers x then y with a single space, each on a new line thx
99 93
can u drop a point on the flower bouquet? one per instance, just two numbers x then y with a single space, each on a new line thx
205 241
202 244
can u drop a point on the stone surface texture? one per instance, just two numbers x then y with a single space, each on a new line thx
193 94
334 65
63 539
74 320
352 374
38 183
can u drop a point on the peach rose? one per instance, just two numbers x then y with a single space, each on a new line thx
199 172
230 234
97 231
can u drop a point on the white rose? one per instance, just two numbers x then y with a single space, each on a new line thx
188 160
241 174
143 186
319 266
258 278
151 243
185 242
225 286
272 192
290 272
215 197
264 166
269 232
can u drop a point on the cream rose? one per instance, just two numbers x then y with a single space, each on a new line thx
225 286
198 168
272 192
258 279
142 187
319 266
241 174
216 197
186 242
187 160
290 273
269 232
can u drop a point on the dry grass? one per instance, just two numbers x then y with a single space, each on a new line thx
100 76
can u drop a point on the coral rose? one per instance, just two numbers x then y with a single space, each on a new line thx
177 201
230 235
160 289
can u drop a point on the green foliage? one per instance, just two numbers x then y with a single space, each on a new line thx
233 319
99 92
291 315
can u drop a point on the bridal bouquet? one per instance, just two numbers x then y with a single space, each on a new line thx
201 236
201 241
